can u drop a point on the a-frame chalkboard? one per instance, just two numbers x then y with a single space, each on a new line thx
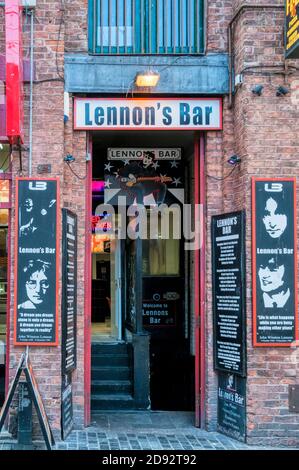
26 367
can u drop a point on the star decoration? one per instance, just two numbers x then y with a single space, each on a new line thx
108 184
176 181
174 164
126 162
108 166
155 165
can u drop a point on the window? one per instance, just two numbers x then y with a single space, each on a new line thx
146 26
161 255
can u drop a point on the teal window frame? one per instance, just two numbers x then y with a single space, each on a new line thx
145 40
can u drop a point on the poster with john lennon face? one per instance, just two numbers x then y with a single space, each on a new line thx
36 262
149 176
274 261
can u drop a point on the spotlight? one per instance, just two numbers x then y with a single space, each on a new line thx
282 91
69 158
257 90
234 160
147 78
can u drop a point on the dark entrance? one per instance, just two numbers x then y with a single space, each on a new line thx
165 269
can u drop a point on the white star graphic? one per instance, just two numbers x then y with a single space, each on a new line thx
155 165
108 167
126 162
108 184
174 164
176 181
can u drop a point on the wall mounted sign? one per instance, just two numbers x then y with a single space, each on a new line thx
147 176
36 262
232 406
67 422
148 113
229 310
69 291
292 29
274 261
14 70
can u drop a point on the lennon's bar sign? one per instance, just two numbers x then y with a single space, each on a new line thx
292 29
274 262
229 313
36 255
145 113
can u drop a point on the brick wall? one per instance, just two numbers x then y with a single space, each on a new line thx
265 130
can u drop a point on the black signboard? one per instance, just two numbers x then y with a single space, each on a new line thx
26 367
228 268
232 406
69 291
292 29
36 254
67 422
274 262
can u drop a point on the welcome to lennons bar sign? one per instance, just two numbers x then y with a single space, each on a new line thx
292 29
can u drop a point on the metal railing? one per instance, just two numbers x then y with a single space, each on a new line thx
146 26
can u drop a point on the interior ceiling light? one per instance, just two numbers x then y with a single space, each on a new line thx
147 78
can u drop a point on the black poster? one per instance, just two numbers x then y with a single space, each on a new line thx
36 286
275 321
67 422
232 406
229 311
69 291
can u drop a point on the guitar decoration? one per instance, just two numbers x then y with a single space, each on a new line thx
149 179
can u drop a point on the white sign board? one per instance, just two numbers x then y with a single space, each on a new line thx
140 153
148 113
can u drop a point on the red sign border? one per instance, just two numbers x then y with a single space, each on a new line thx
253 228
56 342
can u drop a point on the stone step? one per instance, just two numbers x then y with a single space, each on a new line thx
109 360
119 401
109 348
110 373
113 386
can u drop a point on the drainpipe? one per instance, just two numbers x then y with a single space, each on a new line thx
243 7
31 92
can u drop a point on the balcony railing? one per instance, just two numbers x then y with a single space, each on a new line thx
146 26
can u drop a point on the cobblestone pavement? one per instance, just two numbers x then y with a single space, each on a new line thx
142 431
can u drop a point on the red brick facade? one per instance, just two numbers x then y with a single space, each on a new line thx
262 130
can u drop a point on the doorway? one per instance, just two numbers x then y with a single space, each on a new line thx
106 288
168 298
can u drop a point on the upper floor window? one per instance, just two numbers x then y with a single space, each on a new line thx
146 26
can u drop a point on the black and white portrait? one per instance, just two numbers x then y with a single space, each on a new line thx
272 283
36 284
274 219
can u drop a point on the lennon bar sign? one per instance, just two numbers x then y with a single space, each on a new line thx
274 262
228 267
69 291
148 113
36 255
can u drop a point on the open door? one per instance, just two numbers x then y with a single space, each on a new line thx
115 288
